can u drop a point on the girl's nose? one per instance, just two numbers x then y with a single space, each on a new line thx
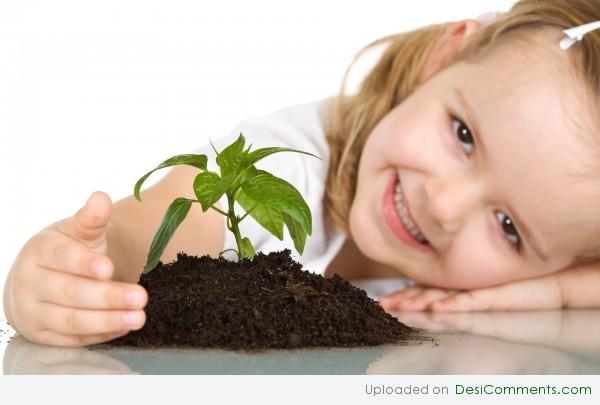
450 199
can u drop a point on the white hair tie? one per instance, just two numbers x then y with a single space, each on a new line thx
489 17
575 34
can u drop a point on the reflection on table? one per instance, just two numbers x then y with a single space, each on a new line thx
540 342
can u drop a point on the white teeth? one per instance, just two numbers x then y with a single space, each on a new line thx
403 213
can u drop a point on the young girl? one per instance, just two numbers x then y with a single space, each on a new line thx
465 162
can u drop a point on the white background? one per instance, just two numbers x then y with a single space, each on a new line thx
93 94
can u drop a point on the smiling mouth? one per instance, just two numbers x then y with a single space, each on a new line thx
404 214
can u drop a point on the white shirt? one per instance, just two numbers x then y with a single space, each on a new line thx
299 127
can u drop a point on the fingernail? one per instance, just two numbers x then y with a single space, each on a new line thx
132 318
135 299
101 268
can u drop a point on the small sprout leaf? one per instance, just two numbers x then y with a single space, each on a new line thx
247 249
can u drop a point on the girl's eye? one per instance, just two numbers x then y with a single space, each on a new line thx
509 230
463 134
466 139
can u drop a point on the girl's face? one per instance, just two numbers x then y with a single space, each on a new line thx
487 157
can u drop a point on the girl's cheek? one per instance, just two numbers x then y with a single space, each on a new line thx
473 266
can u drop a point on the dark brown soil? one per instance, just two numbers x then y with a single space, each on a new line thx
267 302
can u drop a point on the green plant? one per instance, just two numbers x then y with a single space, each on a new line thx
270 200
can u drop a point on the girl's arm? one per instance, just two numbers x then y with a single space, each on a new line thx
580 286
538 293
572 331
575 287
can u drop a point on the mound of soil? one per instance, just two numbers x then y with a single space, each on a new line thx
263 303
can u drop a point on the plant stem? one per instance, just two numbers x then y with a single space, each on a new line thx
218 210
234 224
233 250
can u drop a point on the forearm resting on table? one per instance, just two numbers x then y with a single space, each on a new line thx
580 286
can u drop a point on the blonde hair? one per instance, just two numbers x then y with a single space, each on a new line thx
396 75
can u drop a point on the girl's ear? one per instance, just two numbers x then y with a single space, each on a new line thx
448 44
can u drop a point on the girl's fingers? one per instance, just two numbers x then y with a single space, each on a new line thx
88 225
390 301
72 291
530 294
50 338
477 300
421 302
61 253
74 321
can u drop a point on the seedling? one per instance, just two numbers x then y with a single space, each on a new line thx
270 200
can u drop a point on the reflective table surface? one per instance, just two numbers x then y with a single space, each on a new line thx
539 342
547 342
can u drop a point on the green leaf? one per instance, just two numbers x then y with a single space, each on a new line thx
296 232
246 166
228 159
270 218
271 201
242 176
204 185
198 161
259 154
279 194
247 249
171 220
223 186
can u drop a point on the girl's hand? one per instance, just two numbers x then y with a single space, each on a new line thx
59 290
532 294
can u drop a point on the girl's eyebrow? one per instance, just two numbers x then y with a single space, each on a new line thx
474 125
